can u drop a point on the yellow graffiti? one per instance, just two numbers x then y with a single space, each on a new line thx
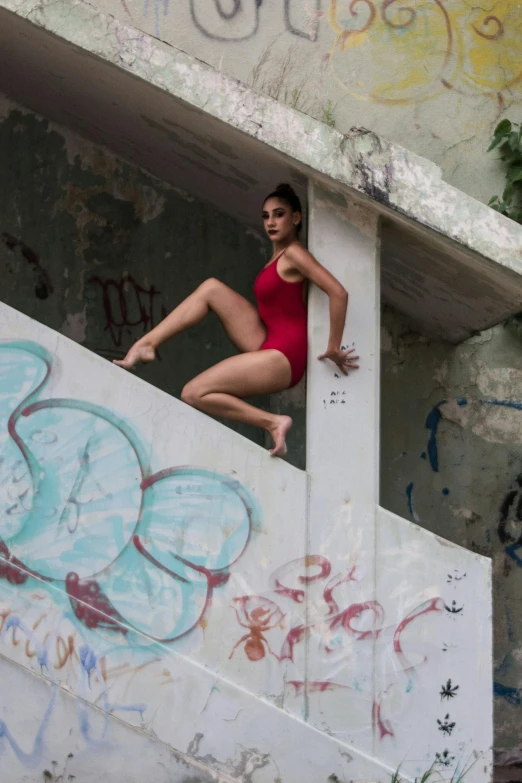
407 51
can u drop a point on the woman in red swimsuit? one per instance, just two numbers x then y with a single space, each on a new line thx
272 339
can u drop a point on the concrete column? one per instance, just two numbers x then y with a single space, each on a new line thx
342 458
343 412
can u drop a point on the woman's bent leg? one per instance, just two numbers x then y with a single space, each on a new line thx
219 391
239 317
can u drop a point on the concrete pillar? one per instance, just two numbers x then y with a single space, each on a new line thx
342 454
343 412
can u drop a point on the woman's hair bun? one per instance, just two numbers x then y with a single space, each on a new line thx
284 186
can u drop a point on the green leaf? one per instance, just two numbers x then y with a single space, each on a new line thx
496 141
514 141
493 200
503 128
516 214
508 193
512 158
515 173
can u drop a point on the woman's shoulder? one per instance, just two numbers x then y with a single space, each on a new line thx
297 254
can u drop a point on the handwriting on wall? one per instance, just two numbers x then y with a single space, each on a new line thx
340 630
239 20
379 50
130 309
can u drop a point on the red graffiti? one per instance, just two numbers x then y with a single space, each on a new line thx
433 605
302 563
258 614
293 637
382 726
355 612
362 621
335 582
13 569
91 605
127 305
316 686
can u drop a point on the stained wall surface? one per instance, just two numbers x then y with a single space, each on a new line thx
434 76
451 461
158 566
52 735
101 251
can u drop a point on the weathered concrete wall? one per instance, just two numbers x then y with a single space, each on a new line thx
101 251
54 737
451 460
400 69
159 566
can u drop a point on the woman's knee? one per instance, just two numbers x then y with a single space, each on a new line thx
210 286
191 394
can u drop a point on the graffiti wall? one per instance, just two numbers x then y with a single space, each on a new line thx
99 259
400 69
452 430
157 565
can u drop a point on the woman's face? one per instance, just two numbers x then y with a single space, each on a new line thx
279 220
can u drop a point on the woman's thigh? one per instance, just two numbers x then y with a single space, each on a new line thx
246 375
239 317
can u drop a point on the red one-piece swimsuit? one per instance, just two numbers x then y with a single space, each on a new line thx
283 311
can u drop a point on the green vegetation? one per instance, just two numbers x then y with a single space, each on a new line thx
457 776
507 138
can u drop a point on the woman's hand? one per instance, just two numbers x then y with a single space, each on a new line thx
343 359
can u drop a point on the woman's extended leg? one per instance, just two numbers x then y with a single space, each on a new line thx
217 391
239 317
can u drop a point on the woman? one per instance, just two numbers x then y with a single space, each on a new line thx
272 339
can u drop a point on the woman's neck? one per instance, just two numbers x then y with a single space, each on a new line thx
280 247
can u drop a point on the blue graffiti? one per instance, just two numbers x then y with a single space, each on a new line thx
514 404
160 7
13 621
409 495
82 510
88 660
511 695
432 424
34 757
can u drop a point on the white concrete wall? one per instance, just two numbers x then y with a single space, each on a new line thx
170 572
52 736
151 630
402 611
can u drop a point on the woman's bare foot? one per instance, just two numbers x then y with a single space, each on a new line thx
278 432
139 352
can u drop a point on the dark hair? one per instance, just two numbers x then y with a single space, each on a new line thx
285 192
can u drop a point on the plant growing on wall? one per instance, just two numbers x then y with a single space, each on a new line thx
507 138
284 78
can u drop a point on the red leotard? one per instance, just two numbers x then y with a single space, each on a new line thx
283 311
